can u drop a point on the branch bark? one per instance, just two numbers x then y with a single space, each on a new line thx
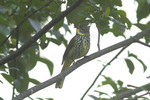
79 63
129 93
40 33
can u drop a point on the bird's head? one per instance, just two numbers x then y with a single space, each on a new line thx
83 29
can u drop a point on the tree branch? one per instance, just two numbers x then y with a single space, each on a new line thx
79 63
129 93
98 41
39 34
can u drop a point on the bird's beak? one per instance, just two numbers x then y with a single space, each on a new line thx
76 26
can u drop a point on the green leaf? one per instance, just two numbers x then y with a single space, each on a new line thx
107 12
124 18
9 78
24 82
4 30
120 83
117 2
48 63
96 15
101 93
147 87
2 68
49 98
86 15
130 65
34 81
121 12
58 25
40 98
4 16
142 10
1 98
30 60
109 81
54 41
43 43
35 24
73 17
118 30
65 26
93 97
134 56
142 26
59 37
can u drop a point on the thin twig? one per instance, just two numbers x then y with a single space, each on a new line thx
23 22
141 95
142 43
15 63
98 45
103 70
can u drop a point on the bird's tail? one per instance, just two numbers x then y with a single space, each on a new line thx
67 63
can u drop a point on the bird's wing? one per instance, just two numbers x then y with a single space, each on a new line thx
69 47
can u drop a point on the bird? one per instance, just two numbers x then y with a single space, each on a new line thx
78 47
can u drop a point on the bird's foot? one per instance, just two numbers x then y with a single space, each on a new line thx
75 63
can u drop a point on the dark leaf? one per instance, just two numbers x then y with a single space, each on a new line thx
117 2
54 41
58 25
24 82
141 26
48 63
118 30
1 98
142 10
130 65
109 81
31 59
147 87
124 18
83 14
4 30
59 37
135 56
34 81
66 28
35 24
93 97
9 78
101 93
49 98
120 83
17 83
2 68
40 98
43 43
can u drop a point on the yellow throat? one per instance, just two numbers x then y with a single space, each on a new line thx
78 32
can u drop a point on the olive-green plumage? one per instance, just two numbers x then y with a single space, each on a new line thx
78 47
